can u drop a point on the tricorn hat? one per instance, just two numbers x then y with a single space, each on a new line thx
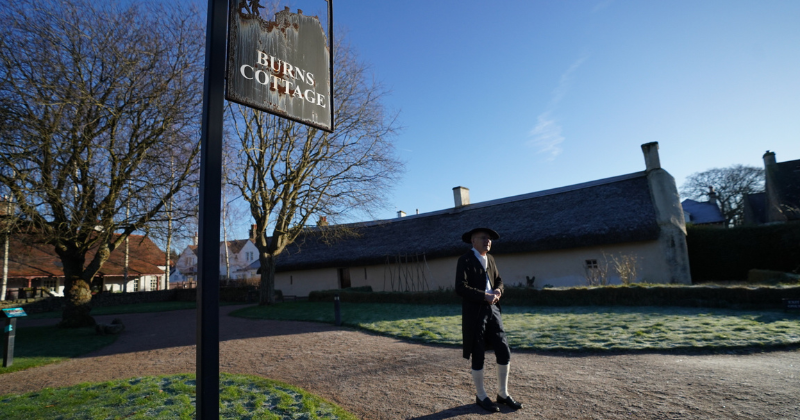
467 236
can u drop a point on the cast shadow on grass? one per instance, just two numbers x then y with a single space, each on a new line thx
178 328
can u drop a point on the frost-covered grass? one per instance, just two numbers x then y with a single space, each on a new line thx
562 328
170 397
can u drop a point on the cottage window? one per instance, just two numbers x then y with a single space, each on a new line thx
135 285
591 264
154 283
51 284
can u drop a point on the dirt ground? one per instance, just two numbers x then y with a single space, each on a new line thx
383 378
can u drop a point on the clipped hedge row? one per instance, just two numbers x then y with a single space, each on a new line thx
728 254
739 297
367 296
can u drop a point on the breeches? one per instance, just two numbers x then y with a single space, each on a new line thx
490 330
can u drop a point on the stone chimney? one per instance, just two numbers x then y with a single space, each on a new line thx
461 196
769 158
651 159
252 233
669 217
712 195
194 239
401 213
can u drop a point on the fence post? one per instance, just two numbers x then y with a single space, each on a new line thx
336 310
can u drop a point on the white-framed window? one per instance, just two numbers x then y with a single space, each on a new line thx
51 284
135 285
591 264
154 283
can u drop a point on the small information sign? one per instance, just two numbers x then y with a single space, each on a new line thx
9 332
791 304
14 312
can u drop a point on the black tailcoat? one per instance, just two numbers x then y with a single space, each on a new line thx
471 286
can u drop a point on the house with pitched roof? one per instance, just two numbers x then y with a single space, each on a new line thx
780 201
34 264
703 213
240 253
558 237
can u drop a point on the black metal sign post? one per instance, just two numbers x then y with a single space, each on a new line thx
10 332
207 358
313 102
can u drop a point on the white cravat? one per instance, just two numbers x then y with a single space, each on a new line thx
484 262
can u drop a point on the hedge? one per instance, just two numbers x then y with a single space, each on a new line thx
728 254
738 297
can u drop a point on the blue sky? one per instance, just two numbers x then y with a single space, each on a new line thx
511 97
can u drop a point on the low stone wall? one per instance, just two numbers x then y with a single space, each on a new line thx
56 303
35 306
226 294
111 299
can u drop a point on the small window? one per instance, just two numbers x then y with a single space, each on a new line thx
591 264
135 285
51 284
154 284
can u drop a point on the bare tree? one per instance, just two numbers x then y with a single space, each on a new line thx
290 173
93 96
730 184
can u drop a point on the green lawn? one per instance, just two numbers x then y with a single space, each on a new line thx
170 397
562 328
36 346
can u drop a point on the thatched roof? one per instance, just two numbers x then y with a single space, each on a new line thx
608 211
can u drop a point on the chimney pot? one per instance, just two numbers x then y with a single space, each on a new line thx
651 159
712 195
461 196
401 213
769 158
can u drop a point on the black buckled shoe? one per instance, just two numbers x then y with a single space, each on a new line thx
510 402
487 404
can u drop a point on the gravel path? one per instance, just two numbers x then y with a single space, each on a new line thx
384 378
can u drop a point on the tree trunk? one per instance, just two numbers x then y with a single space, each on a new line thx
78 295
267 284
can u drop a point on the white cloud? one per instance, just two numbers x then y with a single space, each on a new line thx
601 5
546 136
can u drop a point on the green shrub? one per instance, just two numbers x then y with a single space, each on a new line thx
728 254
738 297
771 277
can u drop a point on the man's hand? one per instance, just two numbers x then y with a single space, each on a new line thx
493 297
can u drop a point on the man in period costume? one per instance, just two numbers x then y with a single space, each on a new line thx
479 284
